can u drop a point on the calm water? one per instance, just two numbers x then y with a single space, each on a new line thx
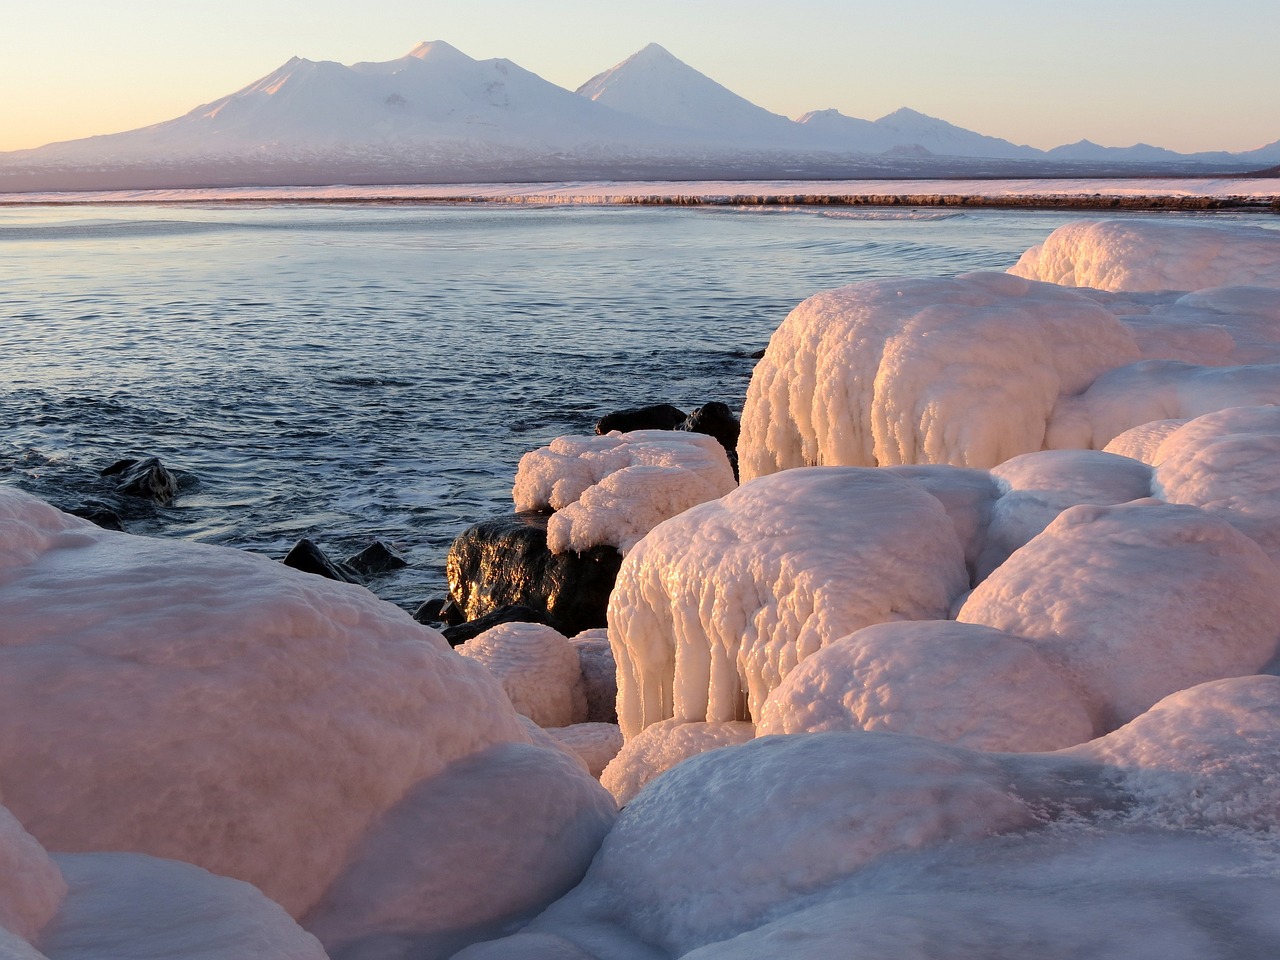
355 372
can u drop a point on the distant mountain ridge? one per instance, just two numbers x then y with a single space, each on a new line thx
437 115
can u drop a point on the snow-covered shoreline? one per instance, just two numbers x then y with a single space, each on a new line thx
1151 193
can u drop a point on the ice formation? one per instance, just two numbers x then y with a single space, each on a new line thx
615 488
537 667
596 744
1141 254
1137 601
714 607
1141 442
954 682
207 705
964 371
599 675
31 886
662 745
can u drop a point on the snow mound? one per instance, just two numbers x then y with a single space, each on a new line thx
1137 255
953 682
31 887
124 906
966 495
599 675
705 851
207 705
537 667
595 743
614 489
1135 602
714 607
964 371
1227 463
661 746
401 896
1151 390
1036 487
1205 756
1141 442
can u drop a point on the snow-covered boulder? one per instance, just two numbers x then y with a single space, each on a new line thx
964 371
661 746
613 489
1141 254
31 886
596 744
207 705
1227 463
1151 390
954 682
537 667
1036 487
404 893
714 607
1142 442
599 675
967 496
1137 601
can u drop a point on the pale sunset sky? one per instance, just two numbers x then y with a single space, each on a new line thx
1185 75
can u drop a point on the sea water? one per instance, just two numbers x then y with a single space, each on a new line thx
355 372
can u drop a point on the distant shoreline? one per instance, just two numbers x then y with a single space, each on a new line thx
1260 195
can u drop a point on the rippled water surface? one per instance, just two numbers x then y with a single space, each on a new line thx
354 372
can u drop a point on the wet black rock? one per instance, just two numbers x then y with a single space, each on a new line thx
460 633
716 420
146 478
103 514
377 557
659 416
504 561
309 558
438 610
757 355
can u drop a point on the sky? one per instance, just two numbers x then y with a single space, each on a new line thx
1185 75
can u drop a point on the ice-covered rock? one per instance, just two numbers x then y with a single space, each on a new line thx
125 906
405 894
954 682
714 607
1137 601
967 496
1141 442
31 886
1142 254
599 675
596 744
612 489
964 371
537 667
208 705
1205 756
661 746
1151 390
1036 487
1227 463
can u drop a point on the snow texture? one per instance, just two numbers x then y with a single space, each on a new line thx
1142 254
527 819
599 675
207 705
595 743
661 746
537 667
953 682
715 607
614 489
964 371
1036 487
31 887
966 495
1228 463
125 906
1141 442
1137 601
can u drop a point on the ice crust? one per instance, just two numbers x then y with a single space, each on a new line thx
613 489
661 746
1138 255
538 668
31 886
715 607
964 371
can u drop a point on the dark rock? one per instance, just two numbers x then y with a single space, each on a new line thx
659 416
309 558
147 478
438 610
377 557
716 420
95 511
459 634
758 355
505 560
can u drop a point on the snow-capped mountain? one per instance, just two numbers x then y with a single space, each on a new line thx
437 115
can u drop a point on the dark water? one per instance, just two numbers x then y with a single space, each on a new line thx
355 372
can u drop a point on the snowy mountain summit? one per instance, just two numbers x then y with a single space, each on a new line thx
437 115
